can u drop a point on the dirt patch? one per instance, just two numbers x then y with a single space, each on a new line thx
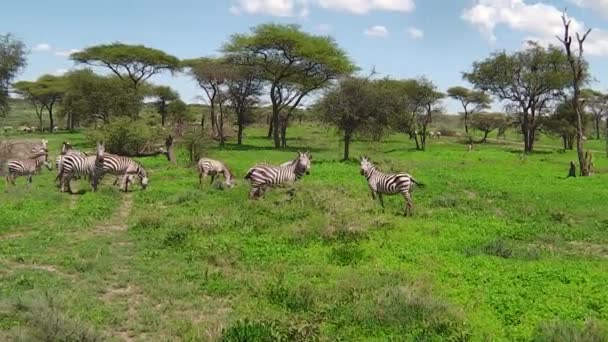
588 248
10 236
118 222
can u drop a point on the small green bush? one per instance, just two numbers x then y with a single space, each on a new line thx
559 330
298 298
346 254
498 248
124 136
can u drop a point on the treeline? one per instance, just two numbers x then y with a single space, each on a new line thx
289 67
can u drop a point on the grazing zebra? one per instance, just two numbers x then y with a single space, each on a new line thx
27 167
124 168
76 165
262 176
381 183
214 167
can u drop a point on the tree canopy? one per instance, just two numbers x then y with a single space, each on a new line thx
472 102
294 63
135 63
528 80
163 95
44 93
12 61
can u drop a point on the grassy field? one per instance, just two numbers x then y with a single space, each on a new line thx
499 248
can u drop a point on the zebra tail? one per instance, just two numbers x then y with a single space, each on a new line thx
417 182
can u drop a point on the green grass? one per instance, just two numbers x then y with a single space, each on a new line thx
499 248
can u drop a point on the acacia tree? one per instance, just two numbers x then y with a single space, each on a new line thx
45 93
293 63
164 96
90 97
472 102
529 80
597 103
27 91
210 74
562 123
12 61
579 75
244 88
488 122
133 63
356 104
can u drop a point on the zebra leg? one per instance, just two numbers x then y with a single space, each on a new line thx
116 180
200 178
29 180
408 203
381 199
212 179
373 195
253 192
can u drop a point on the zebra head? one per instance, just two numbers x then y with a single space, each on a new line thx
303 162
65 147
143 177
100 151
229 179
366 166
42 157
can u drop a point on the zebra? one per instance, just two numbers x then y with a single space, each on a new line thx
76 165
66 149
27 167
212 167
381 183
262 176
124 168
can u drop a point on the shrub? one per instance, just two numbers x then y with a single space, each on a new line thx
295 299
125 136
175 238
558 330
47 322
246 330
497 248
149 220
196 143
347 254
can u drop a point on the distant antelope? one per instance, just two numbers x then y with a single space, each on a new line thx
27 167
381 183
210 167
263 176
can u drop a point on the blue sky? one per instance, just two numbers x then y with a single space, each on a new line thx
401 38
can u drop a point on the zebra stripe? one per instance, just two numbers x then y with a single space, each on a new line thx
262 176
27 167
75 165
381 183
123 166
213 167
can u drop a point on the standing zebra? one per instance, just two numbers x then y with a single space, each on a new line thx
76 165
262 176
66 149
212 167
381 183
124 168
27 167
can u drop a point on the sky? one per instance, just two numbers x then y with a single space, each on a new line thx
438 39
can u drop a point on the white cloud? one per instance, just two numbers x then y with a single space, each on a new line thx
364 6
41 47
60 72
376 31
415 33
66 53
539 21
291 8
599 5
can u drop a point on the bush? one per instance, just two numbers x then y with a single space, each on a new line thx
47 322
149 221
295 299
497 248
197 143
244 331
347 254
557 331
126 137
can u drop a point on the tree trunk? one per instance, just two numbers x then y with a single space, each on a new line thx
163 113
276 127
597 126
220 123
466 122
347 138
239 136
213 123
416 140
284 124
270 128
170 150
565 141
485 137
51 121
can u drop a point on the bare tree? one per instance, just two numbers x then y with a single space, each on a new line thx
577 64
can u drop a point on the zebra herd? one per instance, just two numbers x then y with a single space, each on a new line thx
72 164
